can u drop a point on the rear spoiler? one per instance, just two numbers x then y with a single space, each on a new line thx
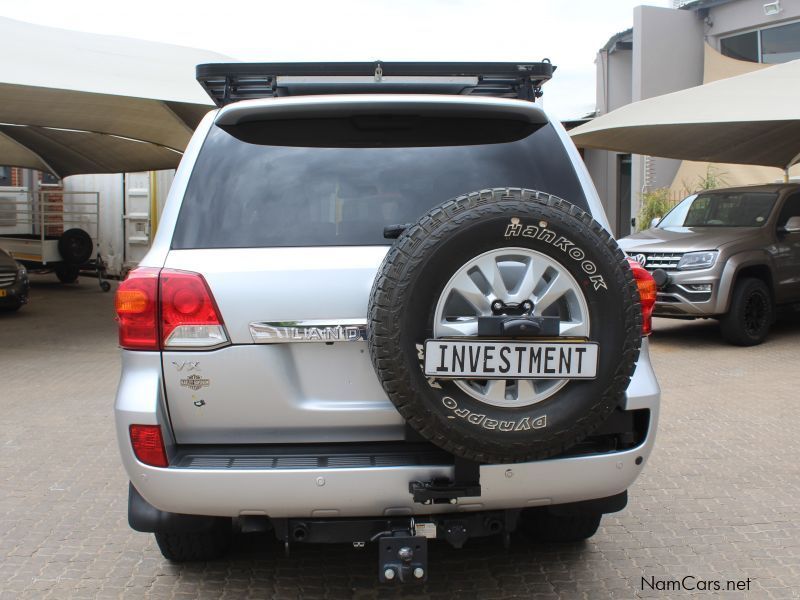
230 82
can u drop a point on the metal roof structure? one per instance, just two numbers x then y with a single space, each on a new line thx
749 119
73 102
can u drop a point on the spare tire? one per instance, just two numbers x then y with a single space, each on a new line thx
75 246
450 267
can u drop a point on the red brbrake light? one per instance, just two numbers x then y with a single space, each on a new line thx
189 316
647 294
148 445
137 309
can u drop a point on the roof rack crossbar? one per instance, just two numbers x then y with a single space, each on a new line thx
230 82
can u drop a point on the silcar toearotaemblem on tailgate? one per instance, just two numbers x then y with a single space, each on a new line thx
281 332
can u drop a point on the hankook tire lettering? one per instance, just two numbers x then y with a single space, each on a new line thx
516 229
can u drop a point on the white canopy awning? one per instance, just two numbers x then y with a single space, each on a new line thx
747 119
74 102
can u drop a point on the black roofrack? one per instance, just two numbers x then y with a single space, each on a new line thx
231 82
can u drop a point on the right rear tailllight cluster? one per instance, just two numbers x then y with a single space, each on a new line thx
647 294
167 309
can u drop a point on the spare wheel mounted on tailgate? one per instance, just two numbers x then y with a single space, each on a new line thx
524 314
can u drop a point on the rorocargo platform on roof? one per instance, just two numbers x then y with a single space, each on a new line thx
231 82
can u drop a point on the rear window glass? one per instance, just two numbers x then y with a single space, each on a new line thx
254 186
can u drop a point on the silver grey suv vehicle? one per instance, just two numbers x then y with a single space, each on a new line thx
383 306
732 254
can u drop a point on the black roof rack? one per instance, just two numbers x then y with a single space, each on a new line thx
231 82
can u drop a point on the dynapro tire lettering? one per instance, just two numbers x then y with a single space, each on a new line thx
542 233
475 418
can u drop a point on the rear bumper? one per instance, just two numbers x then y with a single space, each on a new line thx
363 491
381 491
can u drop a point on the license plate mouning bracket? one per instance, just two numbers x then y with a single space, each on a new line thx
511 326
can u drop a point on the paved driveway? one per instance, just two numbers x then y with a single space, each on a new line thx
719 500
